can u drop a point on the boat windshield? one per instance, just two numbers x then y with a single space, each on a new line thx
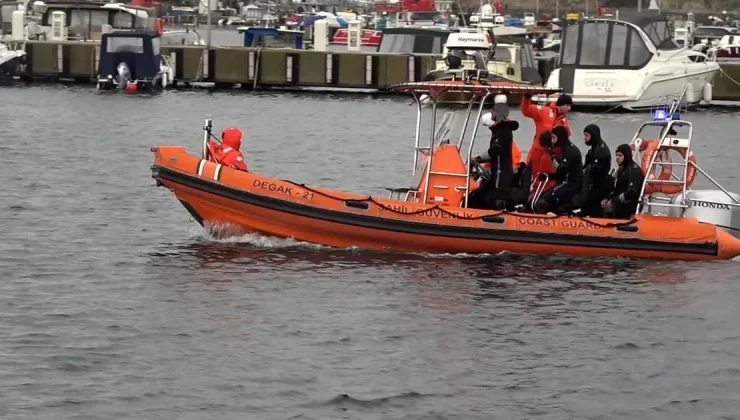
660 33
603 44
710 32
280 40
180 38
417 42
125 45
433 16
502 54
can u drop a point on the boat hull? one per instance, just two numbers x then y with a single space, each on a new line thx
216 195
616 89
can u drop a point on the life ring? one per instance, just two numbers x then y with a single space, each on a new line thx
650 148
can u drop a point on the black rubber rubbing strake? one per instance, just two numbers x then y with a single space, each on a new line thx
436 229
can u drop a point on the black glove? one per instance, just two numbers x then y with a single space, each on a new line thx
478 159
551 150
631 195
542 176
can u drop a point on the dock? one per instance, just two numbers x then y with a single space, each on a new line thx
235 67
254 68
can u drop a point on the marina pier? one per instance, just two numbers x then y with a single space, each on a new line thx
253 68
227 67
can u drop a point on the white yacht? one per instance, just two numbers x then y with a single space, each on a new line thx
632 65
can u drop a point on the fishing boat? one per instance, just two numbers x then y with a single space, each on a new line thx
478 49
433 215
132 62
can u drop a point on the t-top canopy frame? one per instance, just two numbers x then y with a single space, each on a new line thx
478 90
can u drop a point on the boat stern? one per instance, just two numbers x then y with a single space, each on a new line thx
598 88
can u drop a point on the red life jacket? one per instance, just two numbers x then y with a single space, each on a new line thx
227 156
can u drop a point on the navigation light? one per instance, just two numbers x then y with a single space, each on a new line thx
660 115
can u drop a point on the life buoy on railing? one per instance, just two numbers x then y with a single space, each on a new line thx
160 26
650 148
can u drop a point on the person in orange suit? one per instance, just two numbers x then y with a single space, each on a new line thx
227 153
546 118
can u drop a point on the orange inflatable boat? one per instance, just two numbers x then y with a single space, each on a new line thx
433 216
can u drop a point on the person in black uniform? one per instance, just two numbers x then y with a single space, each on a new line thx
596 167
623 200
568 173
496 191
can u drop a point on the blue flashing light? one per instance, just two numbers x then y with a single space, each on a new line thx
660 115
676 116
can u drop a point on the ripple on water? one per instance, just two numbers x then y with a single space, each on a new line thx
114 305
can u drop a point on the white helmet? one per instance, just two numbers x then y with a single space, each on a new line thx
486 119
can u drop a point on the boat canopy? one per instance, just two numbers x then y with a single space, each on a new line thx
409 40
605 44
139 50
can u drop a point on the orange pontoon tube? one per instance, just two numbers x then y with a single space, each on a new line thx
432 216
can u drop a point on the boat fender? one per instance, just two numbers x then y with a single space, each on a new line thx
691 95
651 148
707 92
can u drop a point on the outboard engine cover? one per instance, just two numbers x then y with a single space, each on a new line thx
711 206
123 75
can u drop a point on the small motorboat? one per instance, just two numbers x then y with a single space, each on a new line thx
433 215
131 61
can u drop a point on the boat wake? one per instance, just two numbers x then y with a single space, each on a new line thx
229 234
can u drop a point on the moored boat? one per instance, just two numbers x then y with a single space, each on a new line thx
433 216
478 49
132 62
632 65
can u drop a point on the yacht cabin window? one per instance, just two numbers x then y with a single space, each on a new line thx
408 43
274 41
123 20
618 52
603 44
705 31
638 55
156 45
502 54
660 34
595 43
